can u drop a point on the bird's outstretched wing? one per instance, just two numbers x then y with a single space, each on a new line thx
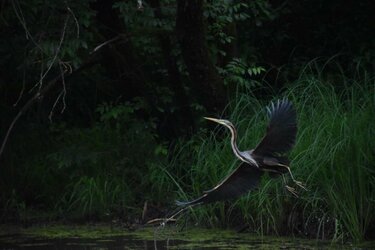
281 131
239 182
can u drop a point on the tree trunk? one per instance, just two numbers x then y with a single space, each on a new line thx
206 82
120 58
184 116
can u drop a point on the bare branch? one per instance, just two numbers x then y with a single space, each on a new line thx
54 106
22 90
105 43
23 110
62 93
75 19
32 100
40 82
21 18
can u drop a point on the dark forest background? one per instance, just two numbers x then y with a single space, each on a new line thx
101 107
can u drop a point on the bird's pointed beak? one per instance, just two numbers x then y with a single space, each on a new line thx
212 119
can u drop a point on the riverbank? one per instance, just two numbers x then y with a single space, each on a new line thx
96 174
89 236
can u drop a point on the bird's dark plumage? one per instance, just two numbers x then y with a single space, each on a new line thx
281 131
279 139
239 182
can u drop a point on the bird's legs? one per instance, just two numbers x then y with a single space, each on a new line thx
298 183
290 189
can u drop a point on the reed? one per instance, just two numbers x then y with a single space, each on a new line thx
111 169
334 156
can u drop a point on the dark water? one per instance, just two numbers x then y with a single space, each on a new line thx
203 240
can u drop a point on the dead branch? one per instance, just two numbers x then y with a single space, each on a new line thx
46 87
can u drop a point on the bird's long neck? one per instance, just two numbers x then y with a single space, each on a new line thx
240 155
233 142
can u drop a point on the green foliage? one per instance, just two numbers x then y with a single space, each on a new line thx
60 40
91 196
333 156
113 167
123 137
145 25
95 172
222 14
238 73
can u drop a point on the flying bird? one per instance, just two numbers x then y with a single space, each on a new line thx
267 156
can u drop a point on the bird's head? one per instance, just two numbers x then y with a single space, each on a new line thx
220 121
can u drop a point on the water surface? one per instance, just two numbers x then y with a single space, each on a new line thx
98 237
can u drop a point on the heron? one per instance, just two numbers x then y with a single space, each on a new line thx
268 156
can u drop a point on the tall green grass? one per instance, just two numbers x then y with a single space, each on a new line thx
334 156
113 167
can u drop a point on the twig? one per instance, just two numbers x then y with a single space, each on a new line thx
105 43
75 19
21 18
40 82
24 108
64 88
22 90
62 93
32 100
54 106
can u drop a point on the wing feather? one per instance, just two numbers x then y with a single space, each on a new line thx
281 131
239 182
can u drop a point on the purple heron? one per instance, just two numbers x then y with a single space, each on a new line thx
267 156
